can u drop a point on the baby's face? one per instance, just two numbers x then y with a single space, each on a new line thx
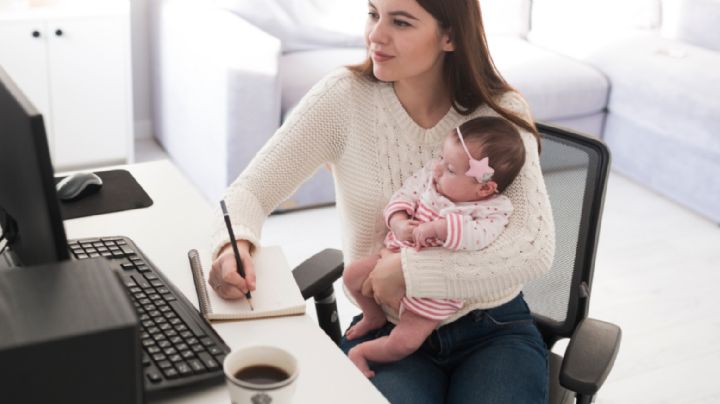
449 173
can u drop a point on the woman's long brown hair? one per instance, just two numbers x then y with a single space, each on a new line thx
469 71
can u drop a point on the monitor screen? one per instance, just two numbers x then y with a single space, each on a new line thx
29 208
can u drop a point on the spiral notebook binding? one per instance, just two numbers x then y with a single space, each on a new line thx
199 279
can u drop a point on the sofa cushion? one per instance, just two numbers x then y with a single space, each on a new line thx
601 15
506 17
669 86
694 21
555 86
299 71
306 25
670 166
302 24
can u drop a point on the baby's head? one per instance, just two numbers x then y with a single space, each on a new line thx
493 138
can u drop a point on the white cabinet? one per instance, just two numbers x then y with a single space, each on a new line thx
74 65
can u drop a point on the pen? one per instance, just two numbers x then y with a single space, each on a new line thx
238 261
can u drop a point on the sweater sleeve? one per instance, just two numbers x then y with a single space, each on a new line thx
312 135
523 251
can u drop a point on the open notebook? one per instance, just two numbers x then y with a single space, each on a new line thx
276 295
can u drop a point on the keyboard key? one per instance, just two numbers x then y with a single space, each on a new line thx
153 375
187 354
215 350
175 358
159 357
164 364
197 348
208 360
183 368
171 373
196 365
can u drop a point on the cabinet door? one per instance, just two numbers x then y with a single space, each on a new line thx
90 89
23 57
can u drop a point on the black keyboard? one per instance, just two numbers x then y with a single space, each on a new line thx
180 349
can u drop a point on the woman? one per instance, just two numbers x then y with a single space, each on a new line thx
428 70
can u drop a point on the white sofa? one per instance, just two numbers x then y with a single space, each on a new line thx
662 58
228 72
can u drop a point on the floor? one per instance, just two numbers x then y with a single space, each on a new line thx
656 275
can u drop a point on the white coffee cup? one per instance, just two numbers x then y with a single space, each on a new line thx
267 375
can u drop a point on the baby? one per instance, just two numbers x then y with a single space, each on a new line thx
453 202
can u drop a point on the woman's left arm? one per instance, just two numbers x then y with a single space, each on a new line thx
523 251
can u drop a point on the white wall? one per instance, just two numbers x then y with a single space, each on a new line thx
142 87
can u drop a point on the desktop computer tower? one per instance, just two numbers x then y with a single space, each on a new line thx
68 334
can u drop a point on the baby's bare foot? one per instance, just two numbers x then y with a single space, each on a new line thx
360 362
367 324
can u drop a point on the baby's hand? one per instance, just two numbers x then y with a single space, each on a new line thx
403 228
425 233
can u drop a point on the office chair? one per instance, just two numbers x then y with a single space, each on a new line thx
575 168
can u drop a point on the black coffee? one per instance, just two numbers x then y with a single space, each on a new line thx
261 374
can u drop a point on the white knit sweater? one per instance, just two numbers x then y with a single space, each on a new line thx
372 144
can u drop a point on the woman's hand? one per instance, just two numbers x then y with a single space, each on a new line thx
386 283
224 278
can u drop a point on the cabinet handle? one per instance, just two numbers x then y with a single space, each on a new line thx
58 32
36 34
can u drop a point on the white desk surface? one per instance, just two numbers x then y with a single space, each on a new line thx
180 219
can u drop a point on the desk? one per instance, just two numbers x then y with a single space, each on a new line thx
180 219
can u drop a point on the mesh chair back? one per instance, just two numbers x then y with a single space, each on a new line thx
575 169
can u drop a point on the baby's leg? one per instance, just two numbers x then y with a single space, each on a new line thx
404 339
373 316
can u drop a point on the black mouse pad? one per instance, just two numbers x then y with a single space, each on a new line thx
120 191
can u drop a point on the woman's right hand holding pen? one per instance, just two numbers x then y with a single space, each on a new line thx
224 277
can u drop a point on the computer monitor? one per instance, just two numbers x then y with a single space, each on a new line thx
29 208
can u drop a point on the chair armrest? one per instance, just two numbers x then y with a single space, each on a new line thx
590 356
315 278
317 274
217 90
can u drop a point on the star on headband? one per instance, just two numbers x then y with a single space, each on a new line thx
479 169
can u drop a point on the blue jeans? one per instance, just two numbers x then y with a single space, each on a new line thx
488 356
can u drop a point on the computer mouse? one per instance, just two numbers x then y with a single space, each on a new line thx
78 185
